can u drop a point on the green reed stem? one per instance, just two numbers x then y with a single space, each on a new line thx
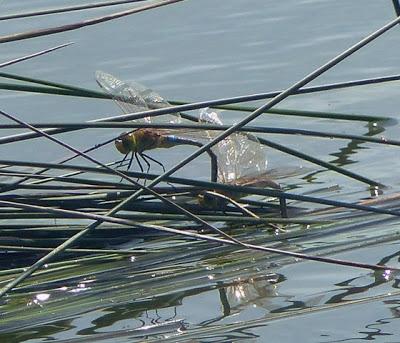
190 106
219 103
202 127
209 185
110 219
319 162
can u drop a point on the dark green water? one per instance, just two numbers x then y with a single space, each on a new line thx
198 50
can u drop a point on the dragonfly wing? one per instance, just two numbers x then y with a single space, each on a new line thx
209 116
238 155
133 97
226 150
250 158
127 96
259 180
155 101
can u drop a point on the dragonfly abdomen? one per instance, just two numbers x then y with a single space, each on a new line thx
175 140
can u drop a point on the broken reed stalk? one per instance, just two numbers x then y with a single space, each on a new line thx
181 218
211 185
27 57
75 251
306 90
105 218
66 9
59 187
225 103
23 179
92 123
181 126
82 182
89 22
54 86
319 162
157 112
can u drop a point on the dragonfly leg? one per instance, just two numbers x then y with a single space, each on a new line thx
154 160
130 161
138 162
129 164
143 156
123 160
160 164
121 163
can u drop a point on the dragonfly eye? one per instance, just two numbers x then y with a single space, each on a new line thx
121 144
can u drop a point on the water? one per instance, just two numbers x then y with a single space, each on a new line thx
198 50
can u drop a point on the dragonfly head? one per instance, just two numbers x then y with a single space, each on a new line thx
125 142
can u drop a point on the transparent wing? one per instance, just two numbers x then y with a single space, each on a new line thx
239 155
126 96
133 97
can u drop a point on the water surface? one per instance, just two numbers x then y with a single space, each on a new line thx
198 50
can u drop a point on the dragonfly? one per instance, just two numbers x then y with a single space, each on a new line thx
133 97
237 160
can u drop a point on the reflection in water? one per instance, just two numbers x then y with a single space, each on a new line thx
163 330
379 278
255 291
133 316
343 156
379 329
38 299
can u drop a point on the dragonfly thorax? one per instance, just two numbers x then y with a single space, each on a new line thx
138 141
